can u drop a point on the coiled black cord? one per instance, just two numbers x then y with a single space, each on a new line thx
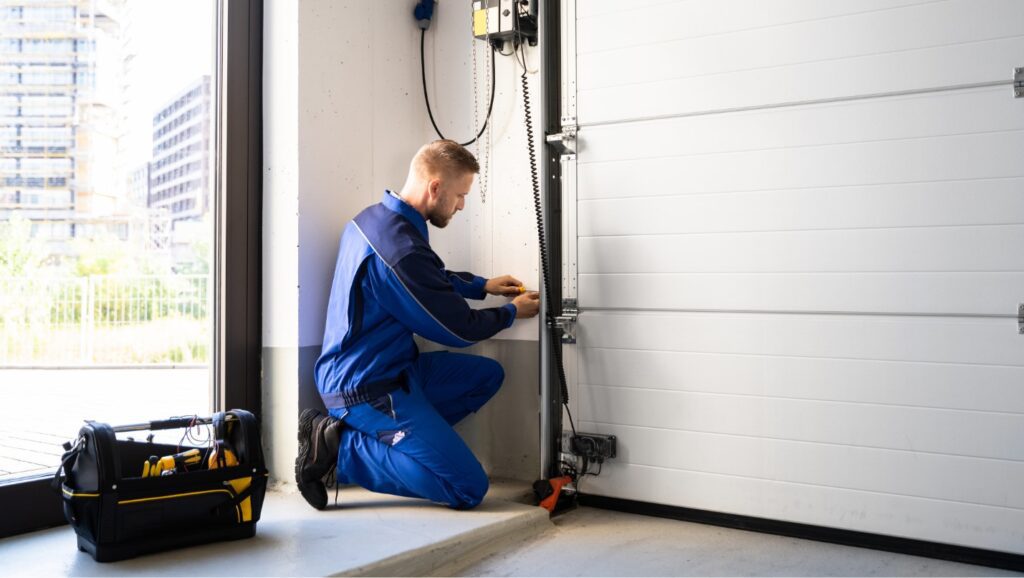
542 242
430 113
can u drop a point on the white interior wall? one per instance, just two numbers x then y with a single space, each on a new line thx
338 107
280 234
280 172
343 114
359 123
496 233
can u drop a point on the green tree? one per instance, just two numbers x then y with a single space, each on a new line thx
101 255
201 249
19 255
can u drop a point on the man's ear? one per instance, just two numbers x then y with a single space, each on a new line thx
434 189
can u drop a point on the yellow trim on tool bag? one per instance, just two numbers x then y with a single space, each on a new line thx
169 496
240 485
238 513
74 494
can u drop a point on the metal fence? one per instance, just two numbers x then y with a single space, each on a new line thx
105 320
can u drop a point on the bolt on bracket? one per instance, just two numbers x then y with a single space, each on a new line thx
566 322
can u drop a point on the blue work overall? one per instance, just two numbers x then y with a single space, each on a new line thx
399 405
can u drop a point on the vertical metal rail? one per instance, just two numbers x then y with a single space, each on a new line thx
550 396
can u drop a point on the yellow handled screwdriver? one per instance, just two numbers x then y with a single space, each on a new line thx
170 464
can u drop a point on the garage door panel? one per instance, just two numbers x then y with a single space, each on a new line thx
970 202
969 525
909 473
796 254
951 432
612 24
954 158
931 249
589 8
728 14
911 383
883 338
894 293
917 116
834 40
915 70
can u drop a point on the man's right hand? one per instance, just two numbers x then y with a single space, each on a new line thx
527 305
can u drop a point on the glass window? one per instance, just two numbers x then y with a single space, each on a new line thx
46 77
61 15
100 293
56 107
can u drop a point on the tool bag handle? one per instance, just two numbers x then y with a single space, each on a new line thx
177 422
67 461
174 422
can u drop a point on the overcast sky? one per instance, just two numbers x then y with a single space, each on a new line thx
174 44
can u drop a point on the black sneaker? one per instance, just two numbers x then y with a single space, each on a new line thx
317 457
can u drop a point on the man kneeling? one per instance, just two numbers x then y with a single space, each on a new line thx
391 408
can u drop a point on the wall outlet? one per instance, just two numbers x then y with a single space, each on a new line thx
594 447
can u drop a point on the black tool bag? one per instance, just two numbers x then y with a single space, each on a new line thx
119 514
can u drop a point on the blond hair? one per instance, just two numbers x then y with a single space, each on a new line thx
444 158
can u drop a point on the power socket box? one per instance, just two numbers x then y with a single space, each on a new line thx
594 447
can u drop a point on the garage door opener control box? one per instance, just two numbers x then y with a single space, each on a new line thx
125 497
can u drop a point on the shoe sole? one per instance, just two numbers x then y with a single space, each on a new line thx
308 489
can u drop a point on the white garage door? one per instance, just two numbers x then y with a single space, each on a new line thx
800 256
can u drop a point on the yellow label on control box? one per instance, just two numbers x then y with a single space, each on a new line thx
479 23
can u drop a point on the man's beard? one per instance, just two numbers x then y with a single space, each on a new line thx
439 220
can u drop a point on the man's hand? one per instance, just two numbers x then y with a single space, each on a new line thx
504 285
527 305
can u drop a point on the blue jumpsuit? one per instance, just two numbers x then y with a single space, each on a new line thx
399 405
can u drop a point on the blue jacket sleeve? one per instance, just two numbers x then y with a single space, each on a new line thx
467 284
418 293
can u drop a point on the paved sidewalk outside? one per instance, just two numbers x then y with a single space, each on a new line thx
42 408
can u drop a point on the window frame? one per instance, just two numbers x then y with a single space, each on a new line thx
30 504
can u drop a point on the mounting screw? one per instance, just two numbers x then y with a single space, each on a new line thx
1019 70
1018 93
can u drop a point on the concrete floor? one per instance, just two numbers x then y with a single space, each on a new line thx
377 535
367 535
591 542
